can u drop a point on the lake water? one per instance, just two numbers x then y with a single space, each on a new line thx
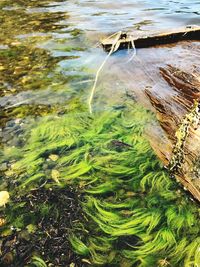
48 47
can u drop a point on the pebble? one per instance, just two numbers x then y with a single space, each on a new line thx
4 198
3 167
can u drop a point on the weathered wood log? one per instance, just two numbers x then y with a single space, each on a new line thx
181 125
140 40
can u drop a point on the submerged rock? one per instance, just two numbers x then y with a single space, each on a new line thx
3 167
4 198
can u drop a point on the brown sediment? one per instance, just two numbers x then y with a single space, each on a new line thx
43 234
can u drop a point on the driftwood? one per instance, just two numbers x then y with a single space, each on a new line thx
138 40
181 151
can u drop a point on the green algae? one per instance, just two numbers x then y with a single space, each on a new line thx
136 214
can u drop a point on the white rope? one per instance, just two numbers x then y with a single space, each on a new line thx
118 34
134 51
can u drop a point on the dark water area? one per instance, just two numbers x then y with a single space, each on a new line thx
123 208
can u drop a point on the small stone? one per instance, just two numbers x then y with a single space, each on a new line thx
2 68
16 43
24 235
8 258
25 79
9 173
10 123
53 157
130 194
18 120
55 175
13 90
3 167
2 222
4 198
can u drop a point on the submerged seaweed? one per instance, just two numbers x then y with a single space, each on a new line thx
136 215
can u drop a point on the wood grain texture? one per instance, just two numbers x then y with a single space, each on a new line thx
153 38
174 123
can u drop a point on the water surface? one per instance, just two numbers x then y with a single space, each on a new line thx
50 53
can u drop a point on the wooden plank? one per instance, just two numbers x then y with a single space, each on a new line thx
126 40
181 127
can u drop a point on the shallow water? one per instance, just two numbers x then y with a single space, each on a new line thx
50 53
